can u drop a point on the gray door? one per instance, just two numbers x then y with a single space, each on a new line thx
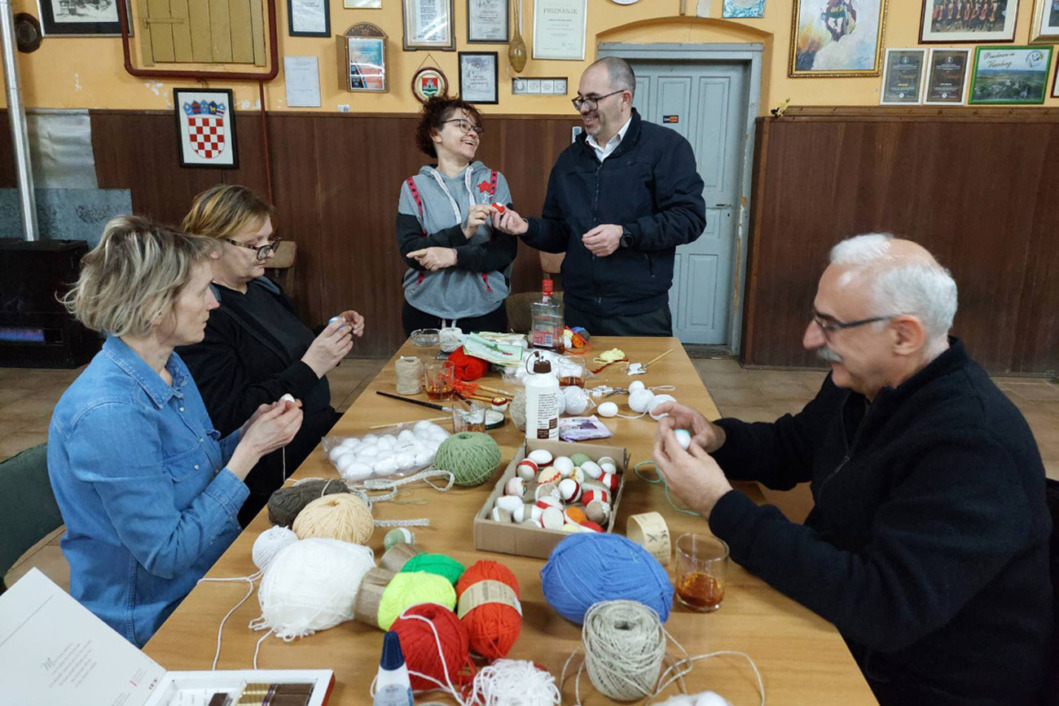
706 103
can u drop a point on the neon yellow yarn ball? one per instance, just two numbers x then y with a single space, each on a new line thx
408 589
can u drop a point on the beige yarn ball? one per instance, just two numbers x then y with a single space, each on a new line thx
341 516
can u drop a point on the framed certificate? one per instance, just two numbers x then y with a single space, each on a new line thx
559 29
479 73
946 77
487 21
309 18
428 25
903 76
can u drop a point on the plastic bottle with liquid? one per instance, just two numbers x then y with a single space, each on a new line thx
546 317
542 401
392 685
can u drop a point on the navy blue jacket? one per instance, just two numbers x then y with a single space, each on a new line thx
928 543
650 186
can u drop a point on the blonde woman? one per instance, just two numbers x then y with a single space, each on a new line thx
147 487
256 348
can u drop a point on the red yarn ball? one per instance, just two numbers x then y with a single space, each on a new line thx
421 648
467 366
493 627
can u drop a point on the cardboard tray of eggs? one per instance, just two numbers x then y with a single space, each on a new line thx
548 491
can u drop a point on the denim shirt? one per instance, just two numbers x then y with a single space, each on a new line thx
138 472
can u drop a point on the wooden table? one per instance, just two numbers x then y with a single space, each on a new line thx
801 657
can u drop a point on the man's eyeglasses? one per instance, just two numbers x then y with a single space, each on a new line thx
592 101
263 251
466 126
831 326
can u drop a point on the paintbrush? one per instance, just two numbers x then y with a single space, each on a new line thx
421 403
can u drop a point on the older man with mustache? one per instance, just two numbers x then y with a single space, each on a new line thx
928 543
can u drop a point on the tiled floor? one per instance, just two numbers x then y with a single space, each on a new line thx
27 398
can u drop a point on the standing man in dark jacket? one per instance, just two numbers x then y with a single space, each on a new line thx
620 200
928 543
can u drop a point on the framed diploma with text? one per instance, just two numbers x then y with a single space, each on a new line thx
946 77
487 21
428 25
902 82
478 77
309 18
559 29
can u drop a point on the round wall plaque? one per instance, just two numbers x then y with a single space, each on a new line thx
428 83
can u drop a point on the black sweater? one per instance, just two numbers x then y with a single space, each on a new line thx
928 543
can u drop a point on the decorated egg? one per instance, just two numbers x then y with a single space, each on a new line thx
542 457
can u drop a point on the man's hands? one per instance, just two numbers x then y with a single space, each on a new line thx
692 475
704 433
434 258
602 240
509 222
330 347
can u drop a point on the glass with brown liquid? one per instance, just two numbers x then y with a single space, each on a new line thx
438 377
701 571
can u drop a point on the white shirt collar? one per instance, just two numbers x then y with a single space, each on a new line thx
603 152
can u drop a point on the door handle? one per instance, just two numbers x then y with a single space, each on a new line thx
722 205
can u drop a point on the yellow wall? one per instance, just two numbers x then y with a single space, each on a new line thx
89 72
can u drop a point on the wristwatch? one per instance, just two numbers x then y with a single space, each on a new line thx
626 238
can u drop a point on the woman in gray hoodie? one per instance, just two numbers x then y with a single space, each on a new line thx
458 272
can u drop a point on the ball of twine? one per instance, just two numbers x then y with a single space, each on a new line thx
438 564
435 647
341 516
408 371
518 410
269 543
585 569
408 589
624 647
489 608
472 456
510 681
286 503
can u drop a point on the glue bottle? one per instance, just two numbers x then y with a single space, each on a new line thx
542 401
392 685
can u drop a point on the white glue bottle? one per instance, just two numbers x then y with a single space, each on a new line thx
542 402
392 685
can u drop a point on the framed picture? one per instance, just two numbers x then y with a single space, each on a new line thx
479 73
487 21
559 28
81 18
947 77
1045 21
831 38
743 9
429 82
309 18
1010 75
902 82
428 25
206 127
367 64
979 21
557 86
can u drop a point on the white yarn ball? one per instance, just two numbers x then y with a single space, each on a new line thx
508 681
639 400
577 400
654 403
269 543
311 584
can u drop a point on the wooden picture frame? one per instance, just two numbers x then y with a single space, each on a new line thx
423 30
1045 26
206 128
1010 75
817 29
362 59
488 21
429 82
309 18
479 77
903 75
81 18
960 21
948 70
560 29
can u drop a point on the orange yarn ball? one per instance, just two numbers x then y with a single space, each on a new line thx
494 626
420 647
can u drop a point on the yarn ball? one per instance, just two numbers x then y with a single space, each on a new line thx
409 588
438 564
310 585
285 504
428 633
587 568
467 367
343 516
517 410
269 543
624 647
398 535
513 681
472 456
704 698
492 625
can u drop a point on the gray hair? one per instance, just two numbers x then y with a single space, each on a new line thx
620 73
134 275
916 286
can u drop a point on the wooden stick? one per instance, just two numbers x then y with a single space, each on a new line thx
657 358
498 391
410 421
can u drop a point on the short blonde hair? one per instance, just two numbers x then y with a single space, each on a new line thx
226 210
134 275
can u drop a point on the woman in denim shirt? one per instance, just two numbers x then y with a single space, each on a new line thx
147 488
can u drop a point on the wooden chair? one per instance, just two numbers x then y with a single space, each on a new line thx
280 267
28 511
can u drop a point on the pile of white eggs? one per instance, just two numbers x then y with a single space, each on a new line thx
384 455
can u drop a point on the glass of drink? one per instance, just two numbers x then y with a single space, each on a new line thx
571 371
438 376
467 415
701 570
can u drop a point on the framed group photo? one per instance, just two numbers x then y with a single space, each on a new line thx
206 127
903 75
428 25
1010 75
479 74
961 21
488 21
81 18
947 73
834 38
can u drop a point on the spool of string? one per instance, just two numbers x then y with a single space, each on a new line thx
311 585
407 589
341 516
437 564
425 628
472 456
488 606
518 410
624 647
467 367
269 543
510 681
585 569
409 373
285 504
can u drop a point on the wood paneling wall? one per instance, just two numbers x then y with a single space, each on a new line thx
980 189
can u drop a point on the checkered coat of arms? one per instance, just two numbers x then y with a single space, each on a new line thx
206 127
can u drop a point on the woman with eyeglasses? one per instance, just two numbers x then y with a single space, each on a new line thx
256 348
458 273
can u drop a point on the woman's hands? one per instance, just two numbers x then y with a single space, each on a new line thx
270 427
478 215
330 347
434 258
353 320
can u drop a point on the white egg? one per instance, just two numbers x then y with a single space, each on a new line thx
370 438
351 444
388 441
406 436
542 457
592 469
422 425
657 401
384 467
608 467
636 385
608 409
367 453
683 437
508 503
355 471
343 458
639 400
605 459
406 461
334 453
424 458
437 428
564 465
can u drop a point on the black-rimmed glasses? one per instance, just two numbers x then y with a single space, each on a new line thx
830 325
466 126
592 101
263 251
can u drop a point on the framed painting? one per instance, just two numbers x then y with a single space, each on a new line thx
833 38
1010 75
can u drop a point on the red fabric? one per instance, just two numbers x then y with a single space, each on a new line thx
467 367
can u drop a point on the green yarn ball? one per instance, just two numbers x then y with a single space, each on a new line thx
438 564
579 459
472 456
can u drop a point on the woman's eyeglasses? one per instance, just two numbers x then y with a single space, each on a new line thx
263 251
466 126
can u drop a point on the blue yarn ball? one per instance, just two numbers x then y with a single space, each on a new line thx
585 569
